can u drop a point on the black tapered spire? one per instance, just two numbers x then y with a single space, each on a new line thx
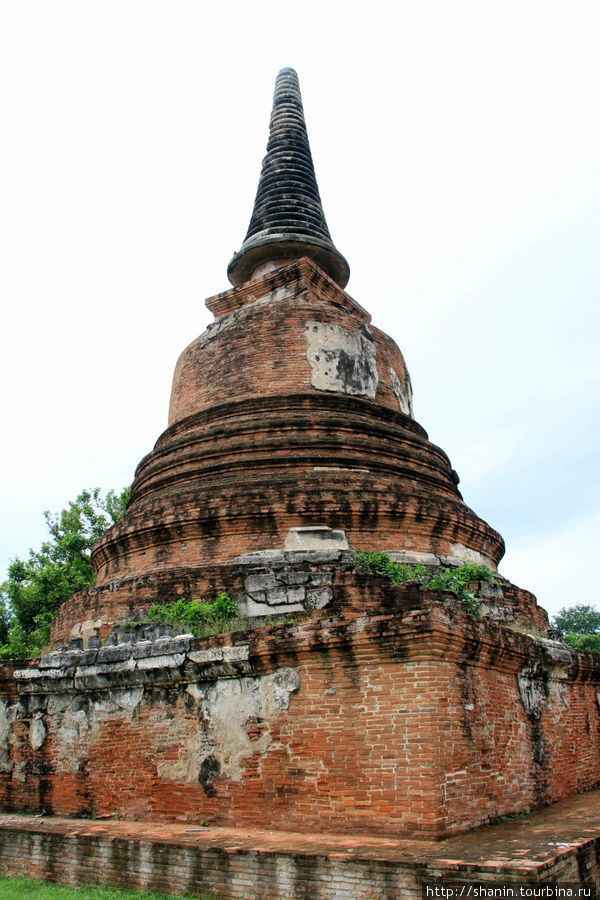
288 220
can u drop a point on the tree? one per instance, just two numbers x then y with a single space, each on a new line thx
36 587
578 619
580 625
4 616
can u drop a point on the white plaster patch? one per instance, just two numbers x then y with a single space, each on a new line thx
251 607
72 739
403 394
159 662
236 654
195 691
4 724
28 674
276 688
466 554
341 360
86 630
7 717
57 703
127 700
213 654
226 706
37 732
532 681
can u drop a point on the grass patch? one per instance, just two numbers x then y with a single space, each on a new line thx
203 619
31 889
527 629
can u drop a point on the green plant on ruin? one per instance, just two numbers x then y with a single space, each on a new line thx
456 579
200 617
521 627
511 817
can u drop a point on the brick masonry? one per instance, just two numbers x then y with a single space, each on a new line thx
413 719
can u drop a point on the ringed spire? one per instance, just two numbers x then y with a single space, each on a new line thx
287 220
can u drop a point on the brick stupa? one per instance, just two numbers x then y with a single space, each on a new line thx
291 429
365 708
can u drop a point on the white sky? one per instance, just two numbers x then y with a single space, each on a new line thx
456 150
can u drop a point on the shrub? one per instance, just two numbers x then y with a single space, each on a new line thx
202 617
444 578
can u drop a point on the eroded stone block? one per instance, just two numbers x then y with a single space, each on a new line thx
159 662
317 598
316 537
213 654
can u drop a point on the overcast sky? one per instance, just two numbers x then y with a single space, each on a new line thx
456 149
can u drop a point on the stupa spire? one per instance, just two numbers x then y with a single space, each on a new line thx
288 220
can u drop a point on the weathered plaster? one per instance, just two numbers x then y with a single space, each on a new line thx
87 629
37 731
403 394
7 717
225 710
341 360
461 554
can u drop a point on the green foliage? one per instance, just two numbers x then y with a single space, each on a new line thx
587 642
456 580
581 626
396 573
201 617
36 586
578 619
4 615
18 888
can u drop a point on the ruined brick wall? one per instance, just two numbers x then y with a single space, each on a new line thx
416 720
272 583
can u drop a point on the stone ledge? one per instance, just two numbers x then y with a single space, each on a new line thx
132 663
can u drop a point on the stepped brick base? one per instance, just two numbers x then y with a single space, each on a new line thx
559 845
